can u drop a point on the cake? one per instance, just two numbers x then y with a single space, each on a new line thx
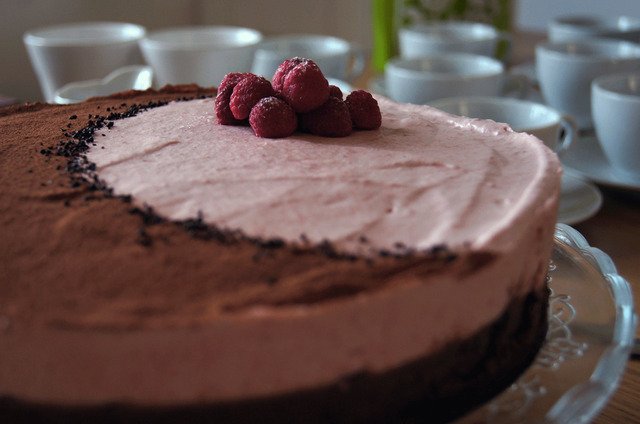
157 267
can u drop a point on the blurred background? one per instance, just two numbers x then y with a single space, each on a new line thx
348 19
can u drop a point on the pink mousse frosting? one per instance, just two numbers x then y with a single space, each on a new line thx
424 178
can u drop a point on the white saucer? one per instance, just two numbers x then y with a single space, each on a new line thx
579 199
587 160
134 77
514 86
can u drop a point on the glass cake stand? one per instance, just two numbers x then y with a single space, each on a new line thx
591 332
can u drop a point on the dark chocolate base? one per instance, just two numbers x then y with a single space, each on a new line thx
435 389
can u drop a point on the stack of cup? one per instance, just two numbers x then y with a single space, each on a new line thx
590 69
425 39
199 54
81 51
423 80
447 59
338 58
72 57
566 69
615 102
577 28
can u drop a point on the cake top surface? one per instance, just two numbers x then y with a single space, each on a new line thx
405 186
423 179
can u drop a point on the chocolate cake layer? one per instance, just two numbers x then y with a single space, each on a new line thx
436 389
111 311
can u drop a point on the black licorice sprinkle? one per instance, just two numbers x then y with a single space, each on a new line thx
271 280
197 228
84 171
143 237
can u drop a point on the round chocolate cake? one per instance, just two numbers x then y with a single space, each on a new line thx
158 267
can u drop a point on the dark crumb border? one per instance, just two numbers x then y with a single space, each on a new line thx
83 171
433 389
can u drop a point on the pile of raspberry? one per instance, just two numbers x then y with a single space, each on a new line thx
298 98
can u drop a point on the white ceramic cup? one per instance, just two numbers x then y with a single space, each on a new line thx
615 101
199 54
81 51
565 72
422 80
450 37
576 28
557 131
337 58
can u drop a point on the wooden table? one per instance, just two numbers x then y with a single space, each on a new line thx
615 229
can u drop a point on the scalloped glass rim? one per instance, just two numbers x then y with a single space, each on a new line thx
586 350
584 401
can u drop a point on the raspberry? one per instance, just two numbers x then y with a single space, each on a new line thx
225 89
230 80
278 78
247 93
272 118
299 97
335 91
332 119
305 88
364 110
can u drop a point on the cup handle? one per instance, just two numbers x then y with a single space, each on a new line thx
357 62
569 132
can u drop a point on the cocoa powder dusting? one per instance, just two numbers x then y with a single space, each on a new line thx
71 254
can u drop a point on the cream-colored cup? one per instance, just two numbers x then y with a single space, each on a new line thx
421 80
565 72
337 58
81 51
557 131
576 28
450 37
199 54
615 102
